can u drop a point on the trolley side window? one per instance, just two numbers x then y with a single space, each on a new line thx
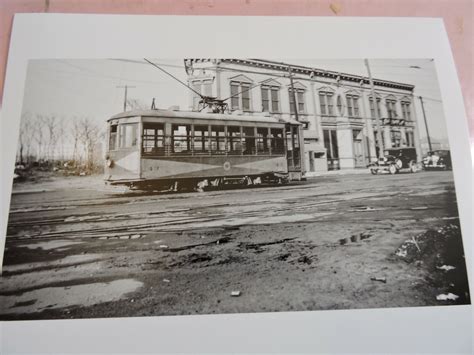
181 139
217 140
262 141
201 139
234 140
153 139
113 137
248 141
128 135
277 141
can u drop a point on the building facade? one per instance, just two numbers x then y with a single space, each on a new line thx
336 110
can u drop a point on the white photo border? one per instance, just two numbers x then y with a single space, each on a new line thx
425 329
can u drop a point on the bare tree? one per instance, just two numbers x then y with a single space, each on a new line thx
135 104
25 138
38 136
51 125
62 136
90 136
76 135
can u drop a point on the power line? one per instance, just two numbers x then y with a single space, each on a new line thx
431 99
140 62
171 75
221 69
94 74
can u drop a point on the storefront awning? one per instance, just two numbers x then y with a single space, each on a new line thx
290 121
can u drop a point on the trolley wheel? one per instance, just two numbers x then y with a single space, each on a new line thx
373 171
392 169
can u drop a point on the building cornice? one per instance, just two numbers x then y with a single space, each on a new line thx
309 71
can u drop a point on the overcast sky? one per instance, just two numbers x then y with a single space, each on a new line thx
88 88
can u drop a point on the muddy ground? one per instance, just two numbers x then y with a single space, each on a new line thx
76 249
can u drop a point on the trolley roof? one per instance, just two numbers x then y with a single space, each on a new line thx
205 116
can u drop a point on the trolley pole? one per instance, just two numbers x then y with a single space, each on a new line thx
126 87
426 124
376 111
295 105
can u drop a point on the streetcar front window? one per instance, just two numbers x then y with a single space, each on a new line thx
128 135
277 142
113 137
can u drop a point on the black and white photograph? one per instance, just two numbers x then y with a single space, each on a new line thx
195 186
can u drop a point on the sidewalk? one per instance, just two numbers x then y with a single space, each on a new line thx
358 171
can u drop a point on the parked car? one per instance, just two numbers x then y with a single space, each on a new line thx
394 160
437 160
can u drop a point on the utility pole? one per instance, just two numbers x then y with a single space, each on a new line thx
426 124
126 87
376 111
295 105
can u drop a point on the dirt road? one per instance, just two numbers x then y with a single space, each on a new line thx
76 249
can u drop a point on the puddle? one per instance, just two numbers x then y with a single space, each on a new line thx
53 244
60 297
64 262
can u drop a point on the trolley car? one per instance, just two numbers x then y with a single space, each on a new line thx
164 149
